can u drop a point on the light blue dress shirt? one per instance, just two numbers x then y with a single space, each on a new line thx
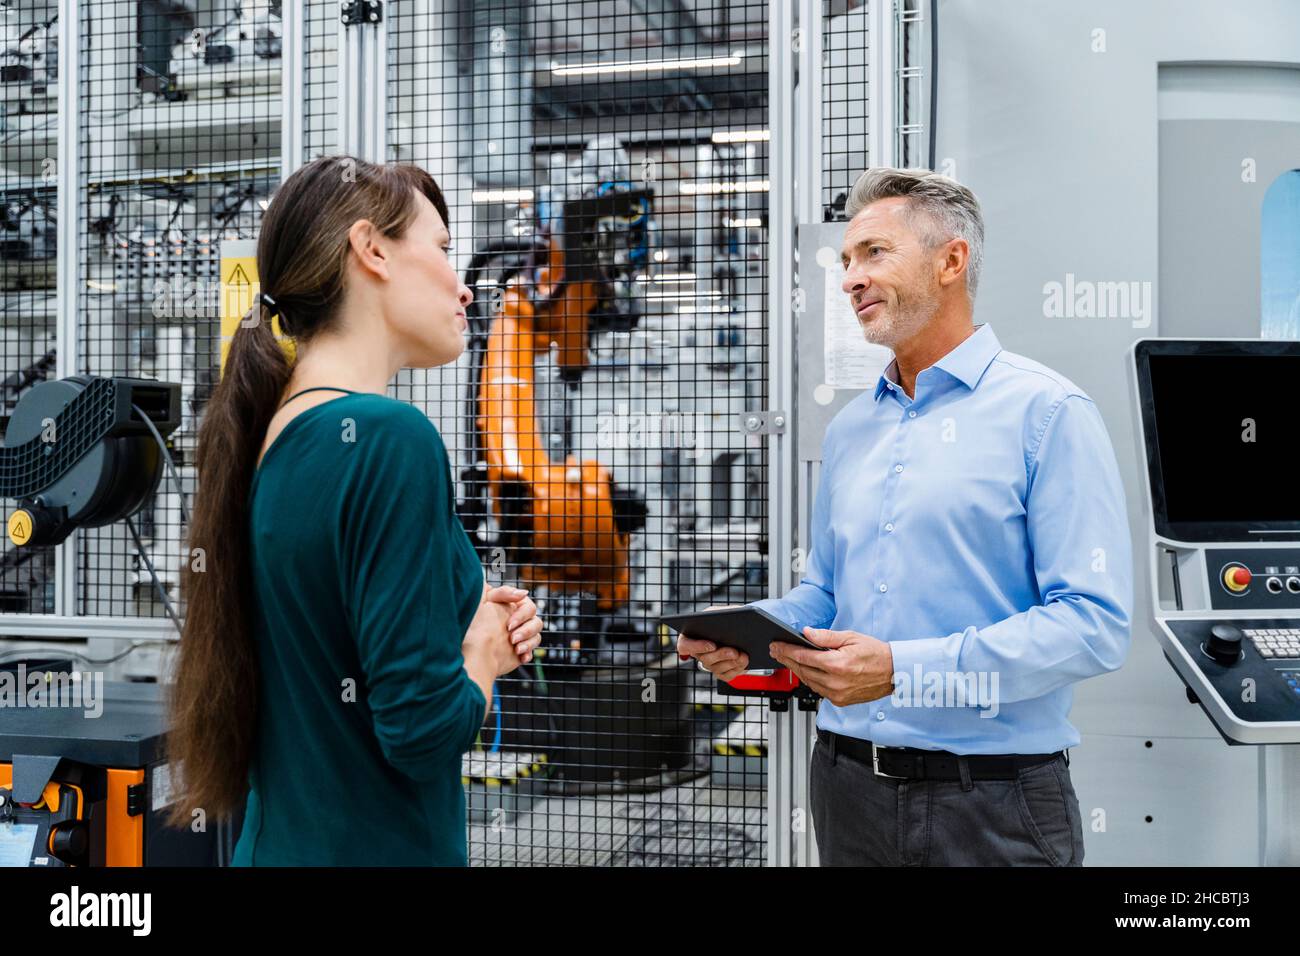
979 528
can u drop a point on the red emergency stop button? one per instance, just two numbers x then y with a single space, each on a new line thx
1236 578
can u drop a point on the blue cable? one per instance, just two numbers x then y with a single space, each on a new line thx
496 706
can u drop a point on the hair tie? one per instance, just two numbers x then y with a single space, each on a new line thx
270 304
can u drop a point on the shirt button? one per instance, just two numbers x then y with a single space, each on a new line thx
889 526
880 715
884 588
911 414
898 468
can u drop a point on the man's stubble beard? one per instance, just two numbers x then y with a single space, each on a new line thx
902 322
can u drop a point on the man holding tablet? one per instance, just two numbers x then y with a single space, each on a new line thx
970 562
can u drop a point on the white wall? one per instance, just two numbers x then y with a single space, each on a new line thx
1060 144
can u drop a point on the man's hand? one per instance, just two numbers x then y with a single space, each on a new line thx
725 663
857 667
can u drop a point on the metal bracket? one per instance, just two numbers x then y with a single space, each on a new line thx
762 422
135 799
362 11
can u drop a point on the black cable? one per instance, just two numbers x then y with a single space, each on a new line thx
715 588
167 457
35 26
162 592
62 652
157 583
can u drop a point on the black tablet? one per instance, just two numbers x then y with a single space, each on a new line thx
751 629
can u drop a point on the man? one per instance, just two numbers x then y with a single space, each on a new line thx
970 562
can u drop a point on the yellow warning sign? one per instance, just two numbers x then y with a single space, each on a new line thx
239 289
20 527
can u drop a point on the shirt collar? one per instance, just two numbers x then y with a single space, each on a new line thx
966 363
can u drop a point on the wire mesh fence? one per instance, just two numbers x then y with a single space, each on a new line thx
845 106
28 235
179 113
606 169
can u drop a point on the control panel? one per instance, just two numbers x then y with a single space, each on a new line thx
1251 664
1255 579
1225 567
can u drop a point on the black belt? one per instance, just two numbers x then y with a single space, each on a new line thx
911 763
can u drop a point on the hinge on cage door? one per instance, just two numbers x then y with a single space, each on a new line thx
762 422
362 11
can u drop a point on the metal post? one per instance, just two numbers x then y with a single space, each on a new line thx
781 236
375 119
292 65
68 295
1279 805
349 87
362 80
882 132
808 197
808 115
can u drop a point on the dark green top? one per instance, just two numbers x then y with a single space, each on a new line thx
364 583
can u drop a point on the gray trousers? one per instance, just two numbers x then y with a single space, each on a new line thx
861 819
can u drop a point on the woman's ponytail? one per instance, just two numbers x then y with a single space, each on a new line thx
215 700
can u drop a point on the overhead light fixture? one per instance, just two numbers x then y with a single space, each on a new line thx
647 66
683 295
742 136
668 277
501 195
712 189
752 222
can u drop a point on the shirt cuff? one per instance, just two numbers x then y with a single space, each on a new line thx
929 662
779 609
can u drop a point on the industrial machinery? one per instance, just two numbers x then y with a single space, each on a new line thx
240 55
27 240
29 64
76 791
1219 437
563 523
29 57
184 111
86 452
83 451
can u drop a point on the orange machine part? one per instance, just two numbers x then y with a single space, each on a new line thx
569 510
123 834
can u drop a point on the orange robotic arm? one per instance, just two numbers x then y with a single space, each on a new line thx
565 511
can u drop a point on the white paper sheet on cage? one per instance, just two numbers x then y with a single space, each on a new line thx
16 842
851 361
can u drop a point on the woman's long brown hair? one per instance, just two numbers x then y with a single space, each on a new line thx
302 255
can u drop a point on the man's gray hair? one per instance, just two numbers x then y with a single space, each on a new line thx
951 210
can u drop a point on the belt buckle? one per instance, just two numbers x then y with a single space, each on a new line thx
875 764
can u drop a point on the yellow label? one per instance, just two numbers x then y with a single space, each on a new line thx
20 527
239 289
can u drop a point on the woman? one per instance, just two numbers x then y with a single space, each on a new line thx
340 645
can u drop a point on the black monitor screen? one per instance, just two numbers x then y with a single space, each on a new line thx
1228 437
